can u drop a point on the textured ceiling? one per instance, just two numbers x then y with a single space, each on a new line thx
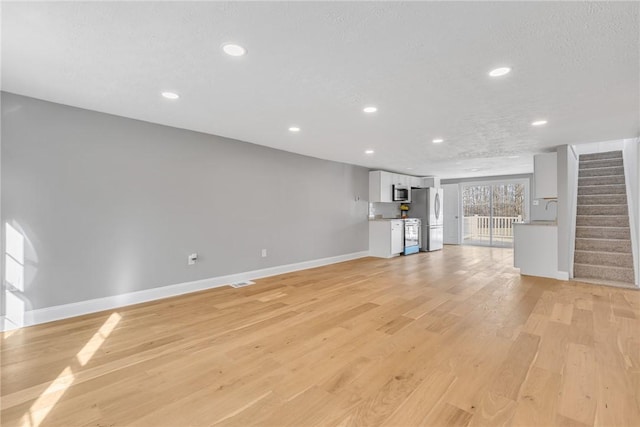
316 65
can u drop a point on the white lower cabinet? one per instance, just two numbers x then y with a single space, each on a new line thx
386 237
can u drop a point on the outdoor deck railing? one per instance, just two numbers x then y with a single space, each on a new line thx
478 227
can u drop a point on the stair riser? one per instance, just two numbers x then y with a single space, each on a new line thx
601 180
601 172
602 273
602 189
604 259
617 246
602 233
602 210
600 163
601 156
602 221
607 199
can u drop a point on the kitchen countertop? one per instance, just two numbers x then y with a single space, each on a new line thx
389 219
540 222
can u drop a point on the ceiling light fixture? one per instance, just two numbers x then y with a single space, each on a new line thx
497 72
170 95
370 109
438 140
294 129
513 157
539 123
234 49
369 152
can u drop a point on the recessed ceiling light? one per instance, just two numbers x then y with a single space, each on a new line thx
438 140
369 152
234 49
497 72
475 170
294 129
539 123
170 95
409 169
370 109
513 157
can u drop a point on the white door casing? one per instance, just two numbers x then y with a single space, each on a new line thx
451 214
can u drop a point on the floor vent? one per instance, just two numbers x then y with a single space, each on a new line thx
242 284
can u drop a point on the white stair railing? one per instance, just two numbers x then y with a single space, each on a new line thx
478 227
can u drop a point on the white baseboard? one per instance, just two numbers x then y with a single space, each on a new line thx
562 275
49 314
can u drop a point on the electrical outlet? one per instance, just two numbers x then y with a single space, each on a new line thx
192 259
264 253
536 202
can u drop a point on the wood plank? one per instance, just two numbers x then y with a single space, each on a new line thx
513 371
455 337
579 394
427 395
494 410
562 313
448 415
538 402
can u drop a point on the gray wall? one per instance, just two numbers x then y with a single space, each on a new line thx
110 205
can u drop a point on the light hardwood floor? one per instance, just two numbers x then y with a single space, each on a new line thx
455 337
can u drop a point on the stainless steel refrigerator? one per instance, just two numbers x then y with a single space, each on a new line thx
426 204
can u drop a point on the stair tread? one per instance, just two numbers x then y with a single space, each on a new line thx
601 163
602 252
602 238
599 226
604 183
602 204
598 185
597 169
584 157
622 216
601 155
605 282
604 266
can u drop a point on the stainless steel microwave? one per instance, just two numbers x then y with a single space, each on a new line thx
401 193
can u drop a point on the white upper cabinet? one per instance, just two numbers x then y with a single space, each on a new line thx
545 176
399 179
380 186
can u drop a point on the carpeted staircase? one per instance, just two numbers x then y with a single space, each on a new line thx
603 240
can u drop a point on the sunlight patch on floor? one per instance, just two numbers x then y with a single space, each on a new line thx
98 338
50 397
